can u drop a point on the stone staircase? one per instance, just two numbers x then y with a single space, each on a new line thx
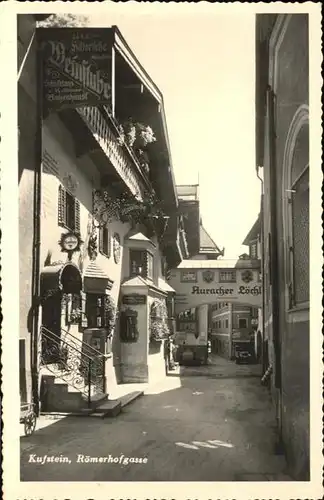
60 396
74 383
63 399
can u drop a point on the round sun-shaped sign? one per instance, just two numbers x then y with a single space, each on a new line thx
69 242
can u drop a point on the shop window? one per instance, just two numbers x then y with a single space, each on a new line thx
242 323
95 310
104 241
68 210
141 263
99 311
227 276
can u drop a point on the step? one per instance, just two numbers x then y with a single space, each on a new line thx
108 409
112 408
56 415
129 398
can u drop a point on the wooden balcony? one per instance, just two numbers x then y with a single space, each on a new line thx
121 158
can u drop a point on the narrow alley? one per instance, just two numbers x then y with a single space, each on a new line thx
212 423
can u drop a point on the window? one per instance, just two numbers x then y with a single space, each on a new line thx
227 276
141 263
296 208
104 241
226 323
170 306
254 250
68 210
149 260
242 323
163 266
300 237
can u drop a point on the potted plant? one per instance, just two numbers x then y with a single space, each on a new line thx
159 329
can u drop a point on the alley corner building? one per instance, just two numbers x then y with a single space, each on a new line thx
282 141
99 221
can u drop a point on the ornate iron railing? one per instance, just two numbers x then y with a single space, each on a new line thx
75 362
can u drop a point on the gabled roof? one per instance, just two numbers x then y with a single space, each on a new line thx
134 281
138 237
94 271
254 232
207 244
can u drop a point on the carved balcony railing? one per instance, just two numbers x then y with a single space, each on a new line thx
123 160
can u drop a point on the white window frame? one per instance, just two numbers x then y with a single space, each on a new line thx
300 119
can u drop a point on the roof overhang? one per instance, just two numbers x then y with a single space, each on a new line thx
253 233
95 280
127 54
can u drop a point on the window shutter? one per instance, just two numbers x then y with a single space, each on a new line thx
61 206
84 318
101 239
76 215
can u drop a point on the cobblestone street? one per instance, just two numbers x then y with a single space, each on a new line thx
212 423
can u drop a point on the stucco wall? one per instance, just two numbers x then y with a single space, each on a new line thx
58 145
292 92
59 160
292 398
27 122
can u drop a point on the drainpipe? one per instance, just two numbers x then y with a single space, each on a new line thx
36 229
275 292
263 360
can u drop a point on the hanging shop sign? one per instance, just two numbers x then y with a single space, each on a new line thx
76 66
134 299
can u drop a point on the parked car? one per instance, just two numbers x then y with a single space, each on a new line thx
243 352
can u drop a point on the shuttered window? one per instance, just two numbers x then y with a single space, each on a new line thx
68 210
104 241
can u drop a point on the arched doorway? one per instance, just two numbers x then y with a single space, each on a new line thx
57 282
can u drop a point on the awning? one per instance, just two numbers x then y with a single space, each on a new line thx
95 280
61 276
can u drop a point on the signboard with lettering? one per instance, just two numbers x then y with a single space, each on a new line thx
76 67
189 276
134 299
192 289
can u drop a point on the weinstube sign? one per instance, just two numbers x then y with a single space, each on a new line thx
76 66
